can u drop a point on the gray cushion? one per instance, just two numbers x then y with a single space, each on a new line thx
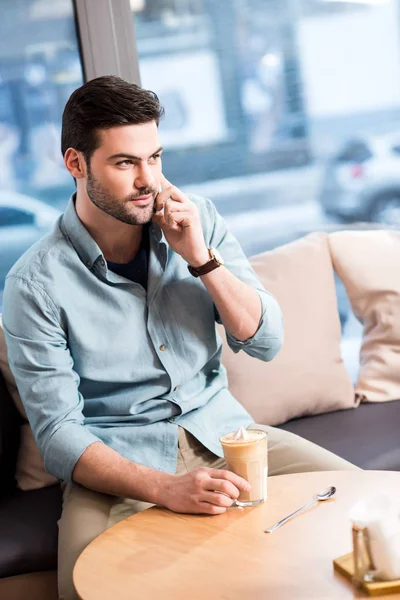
368 436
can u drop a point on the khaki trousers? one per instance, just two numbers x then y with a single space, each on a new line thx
86 514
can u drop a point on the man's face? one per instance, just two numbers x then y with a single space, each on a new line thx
124 173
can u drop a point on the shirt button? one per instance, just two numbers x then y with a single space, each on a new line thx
102 263
175 388
171 420
163 347
89 264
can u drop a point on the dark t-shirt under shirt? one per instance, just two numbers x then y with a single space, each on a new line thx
135 270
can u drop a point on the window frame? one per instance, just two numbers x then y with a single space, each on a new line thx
107 39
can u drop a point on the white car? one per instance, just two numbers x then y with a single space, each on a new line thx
361 181
23 221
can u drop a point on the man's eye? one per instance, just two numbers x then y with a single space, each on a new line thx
155 157
124 162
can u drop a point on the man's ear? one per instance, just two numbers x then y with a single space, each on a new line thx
75 163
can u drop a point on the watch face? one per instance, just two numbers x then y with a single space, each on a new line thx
217 256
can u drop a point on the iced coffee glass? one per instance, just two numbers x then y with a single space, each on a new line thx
245 452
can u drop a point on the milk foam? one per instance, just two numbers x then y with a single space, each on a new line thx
243 435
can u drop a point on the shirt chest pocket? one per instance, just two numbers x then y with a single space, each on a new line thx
191 309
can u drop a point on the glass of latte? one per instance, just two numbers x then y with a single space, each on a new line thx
246 454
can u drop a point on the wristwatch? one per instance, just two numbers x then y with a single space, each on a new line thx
215 261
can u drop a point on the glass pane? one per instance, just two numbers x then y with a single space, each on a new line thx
11 217
283 112
39 69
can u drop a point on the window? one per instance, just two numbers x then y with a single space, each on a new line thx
273 119
354 151
39 68
228 77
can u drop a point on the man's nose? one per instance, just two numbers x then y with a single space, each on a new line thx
144 177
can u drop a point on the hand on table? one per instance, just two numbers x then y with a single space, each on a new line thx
203 491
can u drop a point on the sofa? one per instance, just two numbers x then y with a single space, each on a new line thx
28 520
305 390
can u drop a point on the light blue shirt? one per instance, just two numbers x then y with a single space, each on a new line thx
96 358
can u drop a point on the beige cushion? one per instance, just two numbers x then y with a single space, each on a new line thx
308 375
30 472
368 263
8 376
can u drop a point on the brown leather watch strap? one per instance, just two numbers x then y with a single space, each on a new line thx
209 266
203 270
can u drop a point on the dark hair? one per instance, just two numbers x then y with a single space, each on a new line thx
103 103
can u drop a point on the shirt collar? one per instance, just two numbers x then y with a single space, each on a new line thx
71 225
87 249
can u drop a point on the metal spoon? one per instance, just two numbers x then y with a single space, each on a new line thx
324 495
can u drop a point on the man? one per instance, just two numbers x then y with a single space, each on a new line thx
110 328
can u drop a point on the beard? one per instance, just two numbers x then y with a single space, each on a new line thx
122 209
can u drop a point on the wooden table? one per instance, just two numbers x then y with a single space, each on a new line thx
160 554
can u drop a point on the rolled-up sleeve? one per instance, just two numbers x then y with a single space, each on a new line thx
268 339
43 369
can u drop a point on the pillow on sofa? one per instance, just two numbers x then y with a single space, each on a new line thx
8 376
30 471
368 263
308 376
